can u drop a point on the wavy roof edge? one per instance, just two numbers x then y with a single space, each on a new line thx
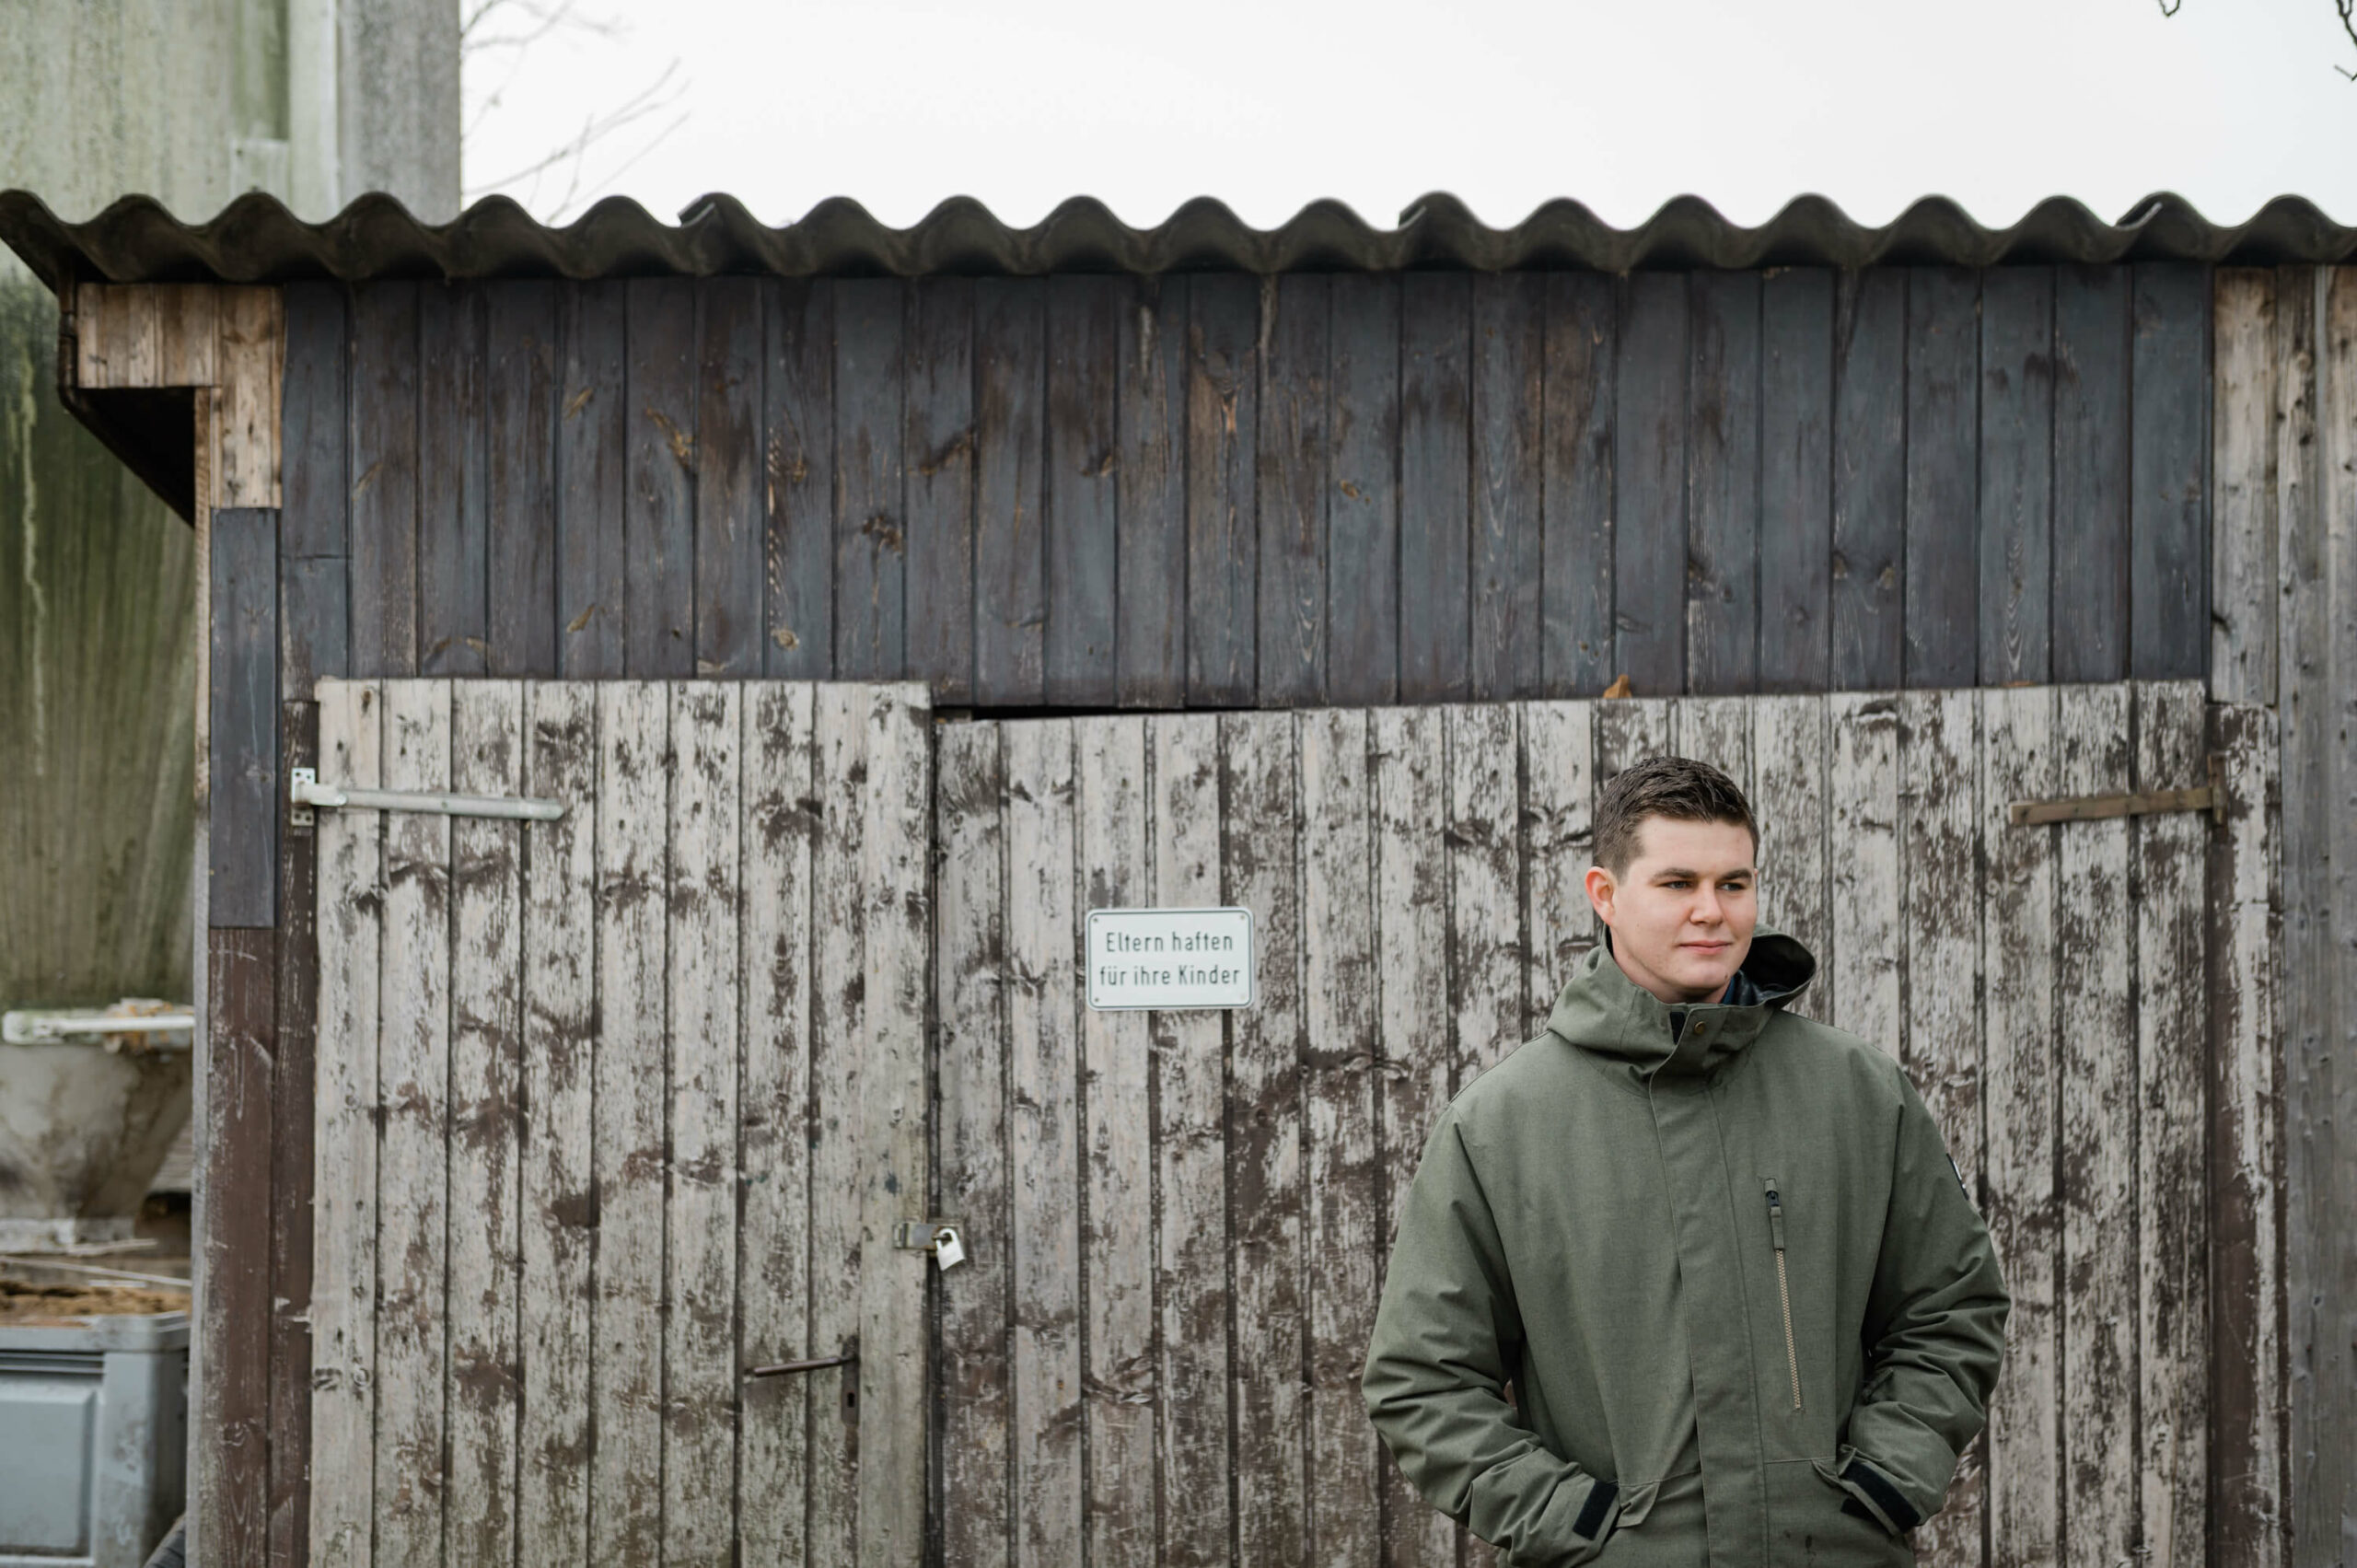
257 239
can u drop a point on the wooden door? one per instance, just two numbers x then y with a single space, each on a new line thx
612 1110
1178 1222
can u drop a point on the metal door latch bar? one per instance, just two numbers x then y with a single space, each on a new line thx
814 1364
304 792
2210 797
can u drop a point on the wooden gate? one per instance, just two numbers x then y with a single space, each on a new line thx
1178 1222
613 1108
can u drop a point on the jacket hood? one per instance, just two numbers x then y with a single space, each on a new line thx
1603 1011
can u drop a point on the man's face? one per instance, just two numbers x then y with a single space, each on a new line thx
1682 916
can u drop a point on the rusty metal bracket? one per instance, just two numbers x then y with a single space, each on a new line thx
2210 797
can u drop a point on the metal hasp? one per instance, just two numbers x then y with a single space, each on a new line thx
2210 797
304 792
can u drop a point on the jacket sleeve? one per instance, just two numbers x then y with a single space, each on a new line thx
1934 1332
1447 1336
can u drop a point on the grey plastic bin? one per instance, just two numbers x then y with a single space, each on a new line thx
93 1439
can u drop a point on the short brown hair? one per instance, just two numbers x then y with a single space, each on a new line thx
1680 788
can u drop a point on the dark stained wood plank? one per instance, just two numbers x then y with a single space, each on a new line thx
312 422
1795 479
2246 1190
1150 482
1941 575
1869 476
314 621
292 1104
520 416
1509 405
940 486
590 480
242 735
2016 474
728 470
2089 592
1722 469
1290 482
452 559
1583 354
1083 335
658 512
229 1413
798 492
1436 486
1363 505
1010 556
2169 472
383 448
870 543
1649 478
1223 424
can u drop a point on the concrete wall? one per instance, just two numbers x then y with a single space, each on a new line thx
190 101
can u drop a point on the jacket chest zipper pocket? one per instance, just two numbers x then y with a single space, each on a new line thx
1784 1290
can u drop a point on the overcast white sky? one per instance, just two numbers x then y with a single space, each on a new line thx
1268 104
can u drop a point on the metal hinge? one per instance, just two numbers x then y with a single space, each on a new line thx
2210 797
304 792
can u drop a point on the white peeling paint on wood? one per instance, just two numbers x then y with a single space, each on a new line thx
1117 1246
1043 1151
2172 1233
970 934
2093 969
700 904
413 1082
1558 769
1190 1161
557 1182
1410 782
2018 922
1869 948
1259 856
344 1213
486 932
626 1365
896 1129
1939 838
1791 801
1345 1222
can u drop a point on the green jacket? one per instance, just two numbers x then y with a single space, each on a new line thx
1749 1310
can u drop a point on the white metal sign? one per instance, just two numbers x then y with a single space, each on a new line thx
1169 958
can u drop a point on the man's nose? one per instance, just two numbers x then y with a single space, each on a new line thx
1705 908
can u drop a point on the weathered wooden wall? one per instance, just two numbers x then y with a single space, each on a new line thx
1218 491
612 1107
1179 1221
2286 636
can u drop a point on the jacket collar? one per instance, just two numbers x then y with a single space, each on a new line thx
1602 1011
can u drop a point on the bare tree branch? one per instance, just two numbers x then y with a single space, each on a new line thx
491 30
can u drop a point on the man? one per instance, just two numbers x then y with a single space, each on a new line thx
1749 1312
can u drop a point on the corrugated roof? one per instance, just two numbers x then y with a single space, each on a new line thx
256 239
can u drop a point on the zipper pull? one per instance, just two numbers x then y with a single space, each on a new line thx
1775 1213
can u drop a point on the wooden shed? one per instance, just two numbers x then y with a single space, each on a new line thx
877 603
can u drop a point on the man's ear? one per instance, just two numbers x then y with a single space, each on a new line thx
1601 891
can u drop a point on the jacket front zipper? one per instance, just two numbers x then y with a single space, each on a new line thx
1783 1292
